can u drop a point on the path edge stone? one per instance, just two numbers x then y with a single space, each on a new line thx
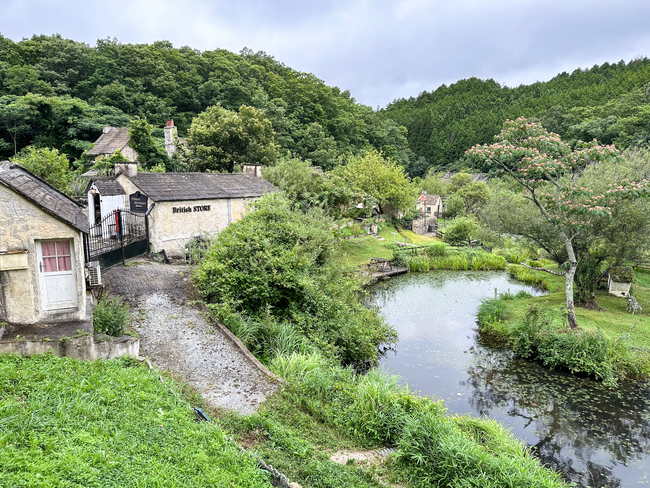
239 344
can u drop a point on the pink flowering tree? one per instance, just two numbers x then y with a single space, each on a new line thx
549 172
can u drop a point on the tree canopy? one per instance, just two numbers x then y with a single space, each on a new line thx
381 178
221 139
548 171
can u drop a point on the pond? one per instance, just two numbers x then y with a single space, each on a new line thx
595 436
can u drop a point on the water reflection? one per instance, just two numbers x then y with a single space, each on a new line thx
594 435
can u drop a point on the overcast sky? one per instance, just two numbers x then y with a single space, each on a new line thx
379 50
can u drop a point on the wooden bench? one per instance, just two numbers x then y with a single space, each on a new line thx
380 264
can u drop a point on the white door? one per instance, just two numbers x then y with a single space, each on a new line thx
56 272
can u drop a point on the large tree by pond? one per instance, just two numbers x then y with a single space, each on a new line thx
548 171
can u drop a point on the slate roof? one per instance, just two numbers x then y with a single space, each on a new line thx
431 199
110 141
106 186
43 195
166 187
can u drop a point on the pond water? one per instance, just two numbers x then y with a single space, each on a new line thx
595 436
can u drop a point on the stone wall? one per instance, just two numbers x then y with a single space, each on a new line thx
173 224
85 347
22 224
423 224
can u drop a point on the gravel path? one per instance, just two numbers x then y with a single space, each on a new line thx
177 337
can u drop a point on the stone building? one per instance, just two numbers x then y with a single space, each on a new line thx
431 205
185 205
112 140
41 251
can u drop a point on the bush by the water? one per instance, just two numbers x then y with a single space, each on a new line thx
529 276
111 316
460 230
439 257
270 276
433 449
542 335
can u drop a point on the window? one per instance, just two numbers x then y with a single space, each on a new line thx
428 209
56 256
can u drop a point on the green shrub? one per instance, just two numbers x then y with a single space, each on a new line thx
274 267
541 335
459 230
111 316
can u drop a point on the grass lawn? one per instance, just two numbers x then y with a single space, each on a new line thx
357 252
69 423
613 320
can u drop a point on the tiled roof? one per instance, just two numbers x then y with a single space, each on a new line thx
43 195
110 141
200 186
106 186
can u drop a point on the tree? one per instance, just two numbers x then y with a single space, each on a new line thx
150 153
307 188
547 170
381 178
48 165
222 139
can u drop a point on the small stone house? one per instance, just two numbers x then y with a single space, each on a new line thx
430 205
184 205
112 140
41 251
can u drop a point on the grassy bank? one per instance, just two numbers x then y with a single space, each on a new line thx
324 407
278 280
97 424
610 344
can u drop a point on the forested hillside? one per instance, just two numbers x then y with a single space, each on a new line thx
59 93
609 102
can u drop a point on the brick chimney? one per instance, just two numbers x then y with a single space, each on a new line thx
170 147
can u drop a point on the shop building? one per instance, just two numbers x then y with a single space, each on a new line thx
179 206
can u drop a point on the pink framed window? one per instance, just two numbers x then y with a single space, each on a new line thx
56 256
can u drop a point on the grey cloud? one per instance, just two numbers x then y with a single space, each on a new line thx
379 50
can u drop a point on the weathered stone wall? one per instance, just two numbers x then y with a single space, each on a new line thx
171 230
173 224
86 347
21 224
422 225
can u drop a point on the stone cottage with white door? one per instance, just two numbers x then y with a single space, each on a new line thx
41 251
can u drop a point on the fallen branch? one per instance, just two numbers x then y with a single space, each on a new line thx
542 269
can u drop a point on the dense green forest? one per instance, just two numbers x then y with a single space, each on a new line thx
57 92
610 102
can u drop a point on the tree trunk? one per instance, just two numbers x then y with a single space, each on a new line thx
570 307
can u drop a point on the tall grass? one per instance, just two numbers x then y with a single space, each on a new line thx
432 449
439 257
529 276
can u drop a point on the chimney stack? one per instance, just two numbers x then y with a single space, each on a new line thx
170 147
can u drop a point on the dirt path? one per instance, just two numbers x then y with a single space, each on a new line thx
177 337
